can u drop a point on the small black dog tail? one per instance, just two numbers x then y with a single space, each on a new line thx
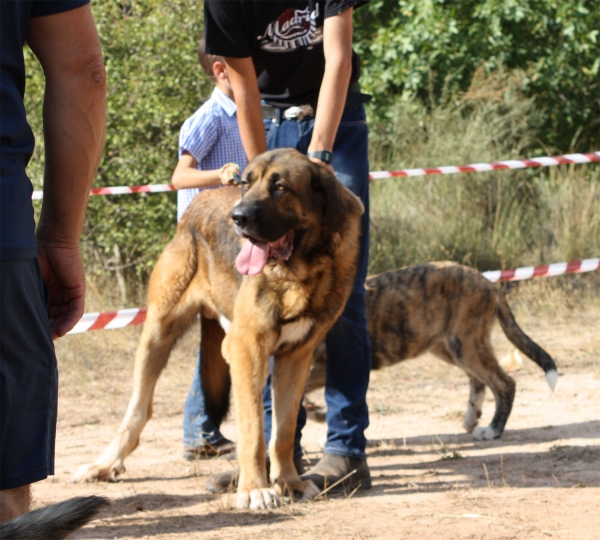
524 343
54 522
214 371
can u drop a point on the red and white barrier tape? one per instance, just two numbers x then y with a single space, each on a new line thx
567 159
546 270
129 317
110 320
121 190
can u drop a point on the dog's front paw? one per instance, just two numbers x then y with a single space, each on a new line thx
258 499
93 473
486 434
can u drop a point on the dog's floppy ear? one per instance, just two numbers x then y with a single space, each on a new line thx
334 210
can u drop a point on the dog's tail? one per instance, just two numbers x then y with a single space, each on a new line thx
214 371
54 522
524 343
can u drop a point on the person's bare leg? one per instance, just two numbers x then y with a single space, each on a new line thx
14 502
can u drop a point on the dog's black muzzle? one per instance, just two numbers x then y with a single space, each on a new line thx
253 220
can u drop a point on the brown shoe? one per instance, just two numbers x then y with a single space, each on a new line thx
341 472
207 450
227 481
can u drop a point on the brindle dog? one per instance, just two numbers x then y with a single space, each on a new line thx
269 273
448 310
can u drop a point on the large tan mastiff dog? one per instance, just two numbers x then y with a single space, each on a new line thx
448 310
270 273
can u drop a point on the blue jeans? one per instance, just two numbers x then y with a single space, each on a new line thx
198 428
348 343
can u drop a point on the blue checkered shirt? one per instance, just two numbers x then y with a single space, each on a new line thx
212 137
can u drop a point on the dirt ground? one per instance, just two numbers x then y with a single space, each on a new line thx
430 479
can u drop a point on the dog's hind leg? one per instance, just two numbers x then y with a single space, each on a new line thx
476 396
477 388
170 311
215 376
152 353
476 356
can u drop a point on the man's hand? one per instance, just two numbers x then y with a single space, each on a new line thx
328 166
68 48
62 270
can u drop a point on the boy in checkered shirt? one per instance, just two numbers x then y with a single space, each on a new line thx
210 146
210 155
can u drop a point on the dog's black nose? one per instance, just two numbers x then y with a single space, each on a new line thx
241 216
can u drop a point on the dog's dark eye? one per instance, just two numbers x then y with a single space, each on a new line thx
245 184
279 187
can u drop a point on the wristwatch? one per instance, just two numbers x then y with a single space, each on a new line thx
324 155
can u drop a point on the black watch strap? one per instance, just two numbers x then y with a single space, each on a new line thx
324 155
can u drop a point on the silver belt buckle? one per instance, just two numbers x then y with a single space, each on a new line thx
298 112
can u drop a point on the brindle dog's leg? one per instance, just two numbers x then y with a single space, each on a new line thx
475 353
471 418
474 406
289 376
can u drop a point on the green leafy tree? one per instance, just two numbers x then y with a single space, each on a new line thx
154 84
432 48
452 80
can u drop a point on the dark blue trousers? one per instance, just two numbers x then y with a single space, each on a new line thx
348 344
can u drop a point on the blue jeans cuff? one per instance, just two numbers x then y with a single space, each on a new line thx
345 452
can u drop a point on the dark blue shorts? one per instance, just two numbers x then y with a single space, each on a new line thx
28 376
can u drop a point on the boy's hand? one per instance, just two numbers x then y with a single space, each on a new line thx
230 174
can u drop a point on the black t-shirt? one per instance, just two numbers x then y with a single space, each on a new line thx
284 38
17 227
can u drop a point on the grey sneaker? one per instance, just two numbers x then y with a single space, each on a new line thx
207 450
228 480
341 472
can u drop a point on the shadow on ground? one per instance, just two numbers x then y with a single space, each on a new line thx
139 524
458 462
545 434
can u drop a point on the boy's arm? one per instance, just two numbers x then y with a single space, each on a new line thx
337 45
186 175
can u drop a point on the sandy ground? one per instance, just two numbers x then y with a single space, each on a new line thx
430 479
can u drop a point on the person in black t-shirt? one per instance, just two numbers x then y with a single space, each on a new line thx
42 282
297 57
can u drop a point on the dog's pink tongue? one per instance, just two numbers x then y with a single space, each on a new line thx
252 258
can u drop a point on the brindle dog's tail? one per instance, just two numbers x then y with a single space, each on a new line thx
54 522
524 343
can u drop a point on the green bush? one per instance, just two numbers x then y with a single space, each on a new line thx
154 84
453 81
432 48
491 220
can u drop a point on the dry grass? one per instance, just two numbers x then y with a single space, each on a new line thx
430 480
